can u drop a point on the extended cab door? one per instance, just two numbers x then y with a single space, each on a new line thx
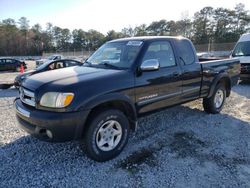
191 70
158 88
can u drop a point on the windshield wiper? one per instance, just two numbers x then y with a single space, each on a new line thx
109 65
87 62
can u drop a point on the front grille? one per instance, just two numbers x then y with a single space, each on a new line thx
27 96
245 68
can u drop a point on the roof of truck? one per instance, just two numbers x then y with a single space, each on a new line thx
144 38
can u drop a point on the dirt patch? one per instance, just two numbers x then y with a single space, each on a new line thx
133 161
223 161
186 144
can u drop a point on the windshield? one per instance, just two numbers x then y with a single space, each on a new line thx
242 49
116 54
42 66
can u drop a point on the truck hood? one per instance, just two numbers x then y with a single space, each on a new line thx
243 59
67 76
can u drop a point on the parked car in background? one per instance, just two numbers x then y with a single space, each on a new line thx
49 65
51 58
242 52
11 64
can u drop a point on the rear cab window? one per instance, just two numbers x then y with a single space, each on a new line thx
186 51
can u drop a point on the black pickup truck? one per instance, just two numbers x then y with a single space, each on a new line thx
99 102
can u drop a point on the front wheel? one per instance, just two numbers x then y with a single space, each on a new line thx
215 103
106 136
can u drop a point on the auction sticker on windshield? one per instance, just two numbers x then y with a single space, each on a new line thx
134 43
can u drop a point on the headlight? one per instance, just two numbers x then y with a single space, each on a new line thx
56 99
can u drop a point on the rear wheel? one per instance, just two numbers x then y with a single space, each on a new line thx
215 103
106 136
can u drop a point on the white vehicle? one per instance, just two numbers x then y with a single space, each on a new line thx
242 52
51 58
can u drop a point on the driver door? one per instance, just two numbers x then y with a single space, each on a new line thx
159 88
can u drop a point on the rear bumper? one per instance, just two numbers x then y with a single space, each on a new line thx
50 126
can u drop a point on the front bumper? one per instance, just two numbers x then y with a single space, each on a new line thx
50 126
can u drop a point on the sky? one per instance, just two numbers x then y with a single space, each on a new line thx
105 15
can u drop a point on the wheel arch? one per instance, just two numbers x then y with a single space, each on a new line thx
225 80
115 101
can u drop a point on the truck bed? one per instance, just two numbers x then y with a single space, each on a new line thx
210 69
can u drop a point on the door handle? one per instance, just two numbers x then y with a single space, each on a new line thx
176 74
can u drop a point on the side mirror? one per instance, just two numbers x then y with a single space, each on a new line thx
150 65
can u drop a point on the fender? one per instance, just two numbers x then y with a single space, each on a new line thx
93 102
216 81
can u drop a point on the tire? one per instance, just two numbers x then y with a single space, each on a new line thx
215 103
101 143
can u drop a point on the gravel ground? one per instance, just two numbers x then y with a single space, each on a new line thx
178 147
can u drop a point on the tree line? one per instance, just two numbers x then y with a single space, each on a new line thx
209 25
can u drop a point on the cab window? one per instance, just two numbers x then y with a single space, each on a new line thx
186 52
162 51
